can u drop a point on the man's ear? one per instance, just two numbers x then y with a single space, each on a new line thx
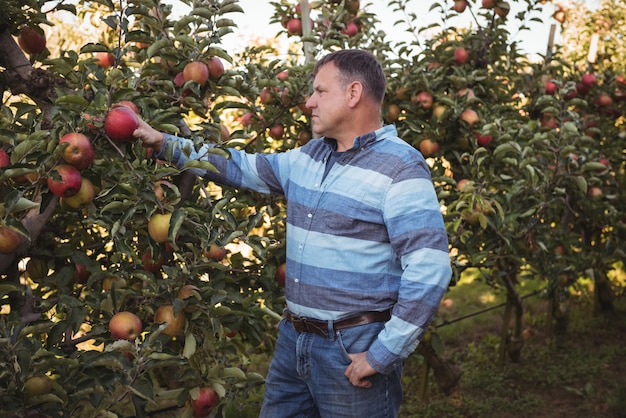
355 93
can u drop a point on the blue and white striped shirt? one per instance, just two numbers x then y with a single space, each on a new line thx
368 237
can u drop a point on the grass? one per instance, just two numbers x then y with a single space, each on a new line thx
579 374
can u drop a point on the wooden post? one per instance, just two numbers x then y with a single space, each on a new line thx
305 16
550 44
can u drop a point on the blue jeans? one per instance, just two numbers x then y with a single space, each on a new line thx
306 379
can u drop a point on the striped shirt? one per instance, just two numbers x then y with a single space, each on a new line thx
367 237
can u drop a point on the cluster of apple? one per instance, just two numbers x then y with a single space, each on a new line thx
127 326
292 22
200 71
501 8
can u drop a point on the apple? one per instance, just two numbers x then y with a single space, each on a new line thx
32 40
126 103
489 4
482 140
82 274
604 161
603 100
225 132
469 116
186 291
64 180
282 75
246 119
548 120
36 386
393 111
281 274
120 123
428 147
105 59
594 192
466 92
461 56
5 160
459 6
502 8
125 325
277 131
196 71
439 111
9 240
304 136
551 87
151 264
205 402
351 29
462 184
79 151
353 6
588 79
158 226
179 79
294 27
266 96
175 323
216 67
215 252
161 189
84 196
424 99
110 282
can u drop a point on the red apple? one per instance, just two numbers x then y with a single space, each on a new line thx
82 274
393 111
459 6
5 160
482 140
428 147
353 6
32 40
216 67
551 87
120 123
83 197
205 403
351 29
424 99
151 264
294 27
64 180
588 80
225 132
266 96
79 151
246 119
594 192
125 326
175 323
282 75
105 59
281 274
9 240
215 252
179 79
469 116
196 71
277 131
489 4
160 192
461 56
549 120
604 100
126 103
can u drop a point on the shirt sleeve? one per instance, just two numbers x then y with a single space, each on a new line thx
418 236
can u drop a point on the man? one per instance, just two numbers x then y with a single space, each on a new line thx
367 252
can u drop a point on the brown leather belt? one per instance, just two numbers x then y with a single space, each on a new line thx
315 326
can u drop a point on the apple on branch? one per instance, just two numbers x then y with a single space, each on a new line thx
79 151
32 40
125 326
120 123
64 180
9 240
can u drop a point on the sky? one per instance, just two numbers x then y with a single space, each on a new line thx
254 23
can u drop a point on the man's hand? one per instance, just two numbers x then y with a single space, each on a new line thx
358 370
150 137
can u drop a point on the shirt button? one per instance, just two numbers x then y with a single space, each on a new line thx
296 280
310 215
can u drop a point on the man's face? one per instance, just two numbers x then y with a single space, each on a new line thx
329 102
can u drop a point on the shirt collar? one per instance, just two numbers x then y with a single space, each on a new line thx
366 139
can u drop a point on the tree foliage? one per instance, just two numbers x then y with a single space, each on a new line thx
518 181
